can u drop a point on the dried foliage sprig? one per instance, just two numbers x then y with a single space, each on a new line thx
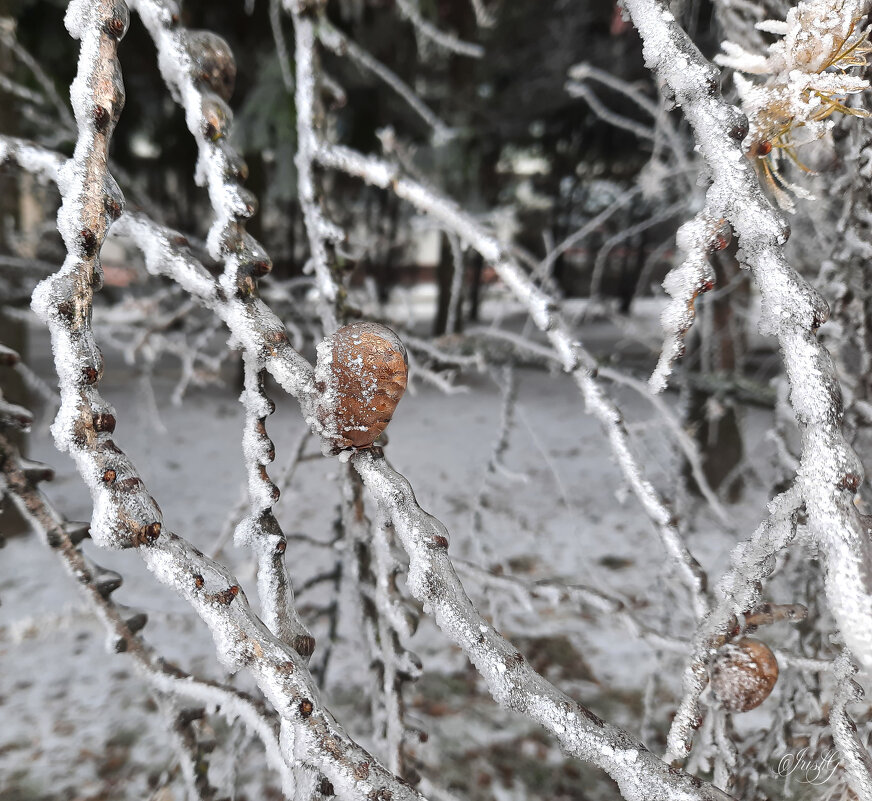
806 80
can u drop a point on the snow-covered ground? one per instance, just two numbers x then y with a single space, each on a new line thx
79 723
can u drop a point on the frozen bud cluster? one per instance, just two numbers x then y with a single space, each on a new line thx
361 373
744 674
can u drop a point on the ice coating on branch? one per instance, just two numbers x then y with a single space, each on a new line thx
852 750
124 515
199 68
640 775
697 239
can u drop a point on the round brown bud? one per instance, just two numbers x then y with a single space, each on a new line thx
213 62
744 674
363 370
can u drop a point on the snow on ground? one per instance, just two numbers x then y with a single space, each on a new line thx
79 723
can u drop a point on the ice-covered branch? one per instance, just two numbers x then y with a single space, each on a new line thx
125 515
386 622
852 750
337 42
738 590
199 69
697 238
318 229
830 472
510 679
122 625
409 9
573 358
260 530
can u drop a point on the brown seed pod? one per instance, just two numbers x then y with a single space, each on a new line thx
744 674
362 372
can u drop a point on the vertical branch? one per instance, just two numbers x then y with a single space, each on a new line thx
830 472
191 754
852 749
318 229
91 201
384 618
395 624
199 69
455 301
260 530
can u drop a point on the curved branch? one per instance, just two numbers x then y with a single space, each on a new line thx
829 472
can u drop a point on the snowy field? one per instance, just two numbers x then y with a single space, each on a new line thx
79 723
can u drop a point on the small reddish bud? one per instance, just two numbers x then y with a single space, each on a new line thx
761 148
304 645
109 476
151 532
115 27
247 287
850 481
306 707
88 241
113 208
103 421
226 596
101 118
